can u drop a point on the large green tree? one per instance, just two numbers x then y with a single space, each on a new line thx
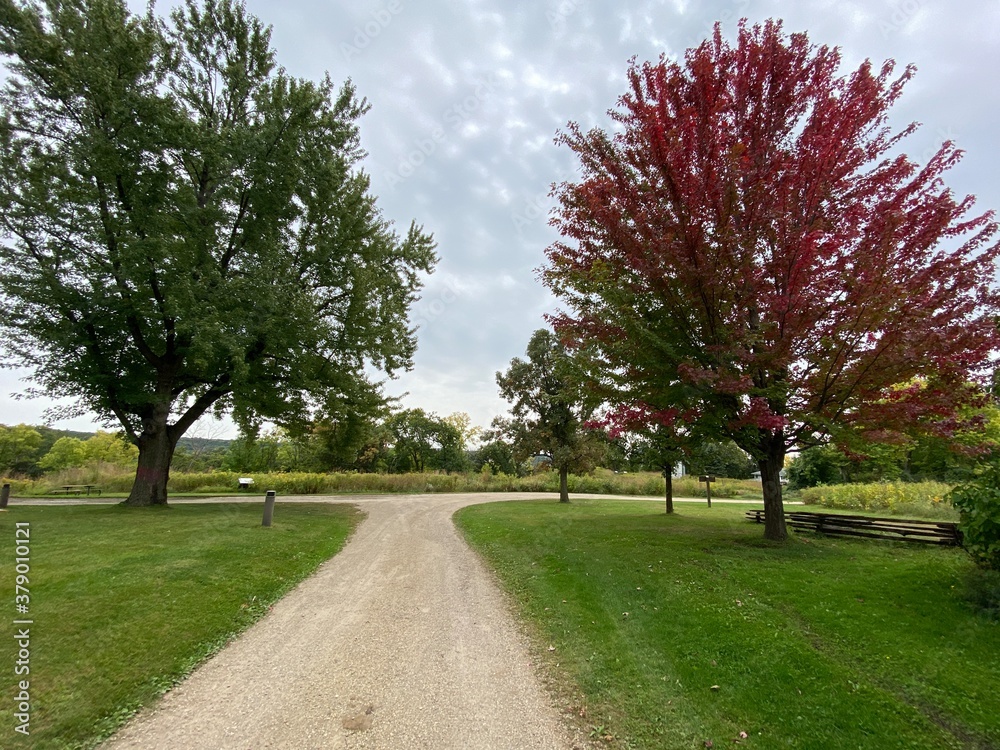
425 442
18 447
186 226
549 409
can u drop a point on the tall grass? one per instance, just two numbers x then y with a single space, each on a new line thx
922 499
601 482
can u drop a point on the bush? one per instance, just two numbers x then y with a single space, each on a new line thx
922 499
978 502
201 482
983 592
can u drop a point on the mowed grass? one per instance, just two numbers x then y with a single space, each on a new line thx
690 629
125 602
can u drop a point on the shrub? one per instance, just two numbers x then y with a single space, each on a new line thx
200 482
923 499
978 502
983 592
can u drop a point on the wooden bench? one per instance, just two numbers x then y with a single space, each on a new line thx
902 530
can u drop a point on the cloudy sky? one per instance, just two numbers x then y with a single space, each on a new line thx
467 95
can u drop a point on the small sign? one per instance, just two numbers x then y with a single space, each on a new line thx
706 478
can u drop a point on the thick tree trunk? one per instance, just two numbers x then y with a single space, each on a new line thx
156 449
563 484
770 475
668 474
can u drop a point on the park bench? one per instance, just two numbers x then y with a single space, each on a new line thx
903 530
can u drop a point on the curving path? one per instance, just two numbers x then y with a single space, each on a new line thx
401 641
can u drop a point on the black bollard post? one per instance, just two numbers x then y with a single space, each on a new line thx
4 496
268 508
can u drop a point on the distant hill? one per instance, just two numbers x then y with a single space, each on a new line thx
202 444
195 444
66 433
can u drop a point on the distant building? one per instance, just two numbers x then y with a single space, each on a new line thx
782 476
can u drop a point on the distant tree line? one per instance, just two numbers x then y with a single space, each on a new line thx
31 451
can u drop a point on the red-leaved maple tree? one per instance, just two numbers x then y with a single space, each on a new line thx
751 247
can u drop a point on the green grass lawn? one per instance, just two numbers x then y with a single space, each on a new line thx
690 629
125 602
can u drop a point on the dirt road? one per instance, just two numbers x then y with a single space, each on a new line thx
401 641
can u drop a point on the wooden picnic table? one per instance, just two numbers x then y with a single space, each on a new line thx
79 489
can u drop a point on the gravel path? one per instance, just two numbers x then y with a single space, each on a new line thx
401 641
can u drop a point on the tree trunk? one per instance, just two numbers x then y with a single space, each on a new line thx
156 449
668 474
563 484
770 475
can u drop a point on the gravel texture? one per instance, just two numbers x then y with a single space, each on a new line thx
401 641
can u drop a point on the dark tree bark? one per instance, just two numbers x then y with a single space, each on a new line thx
156 449
563 484
770 476
668 475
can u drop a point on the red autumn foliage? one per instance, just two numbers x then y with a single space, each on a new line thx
751 244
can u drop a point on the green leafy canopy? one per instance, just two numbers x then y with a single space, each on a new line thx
186 226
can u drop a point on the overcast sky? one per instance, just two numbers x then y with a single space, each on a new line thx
466 97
